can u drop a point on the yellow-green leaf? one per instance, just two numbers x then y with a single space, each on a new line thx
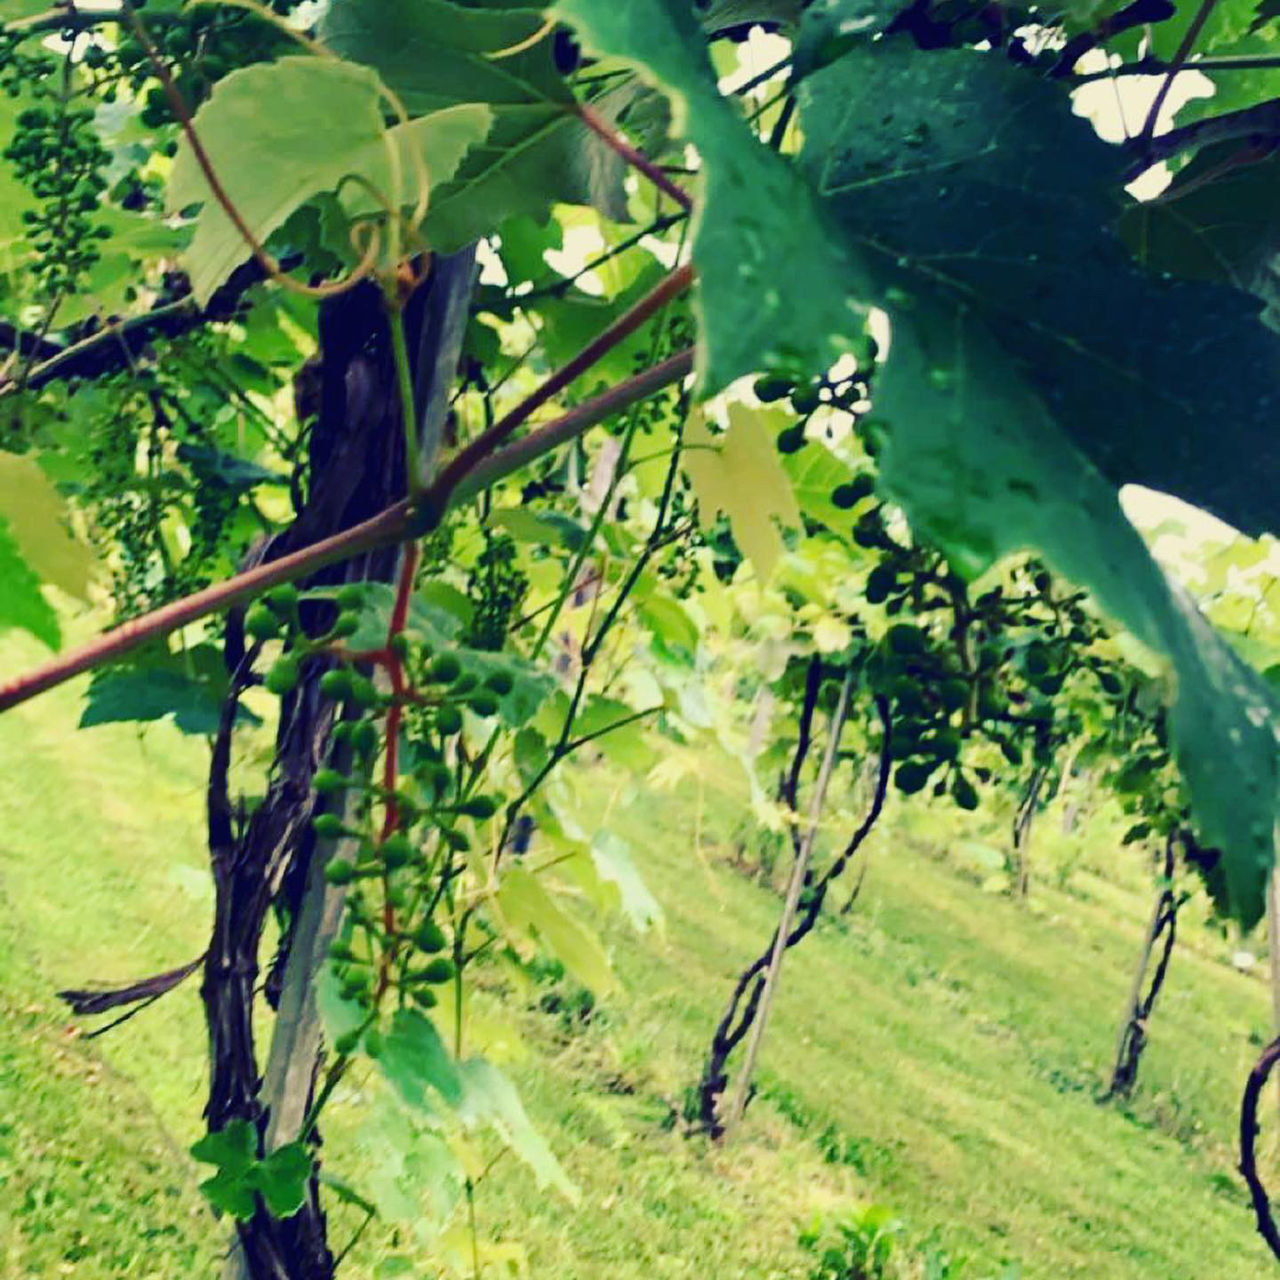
529 909
739 473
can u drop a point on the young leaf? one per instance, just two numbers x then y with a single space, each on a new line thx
434 54
490 1098
739 473
414 1059
324 124
528 908
281 1179
37 515
21 603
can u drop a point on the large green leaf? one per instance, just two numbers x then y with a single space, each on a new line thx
1213 222
279 133
529 909
434 54
761 241
1033 369
960 176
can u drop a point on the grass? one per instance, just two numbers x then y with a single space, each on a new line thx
939 1050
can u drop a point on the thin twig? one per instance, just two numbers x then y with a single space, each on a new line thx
641 163
1184 51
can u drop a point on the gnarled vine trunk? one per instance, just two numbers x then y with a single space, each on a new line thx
271 858
1161 933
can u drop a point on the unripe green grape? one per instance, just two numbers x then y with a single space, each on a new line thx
423 996
347 624
773 387
436 971
362 692
465 683
399 645
397 851
283 675
261 623
444 669
328 826
448 720
351 597
429 937
327 781
805 400
501 682
336 684
880 582
339 871
364 737
791 439
457 840
373 1042
283 598
484 702
479 807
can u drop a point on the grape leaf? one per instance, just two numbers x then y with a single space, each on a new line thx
414 1059
739 473
490 1098
37 515
324 124
529 909
21 603
434 54
1015 404
1019 231
761 241
1225 229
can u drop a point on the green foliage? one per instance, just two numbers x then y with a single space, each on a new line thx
437 54
761 240
280 1178
21 602
269 166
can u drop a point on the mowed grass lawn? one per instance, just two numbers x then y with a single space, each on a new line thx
939 1050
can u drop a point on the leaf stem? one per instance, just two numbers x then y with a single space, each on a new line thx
404 385
1183 52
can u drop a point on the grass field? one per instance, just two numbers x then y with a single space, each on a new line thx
939 1050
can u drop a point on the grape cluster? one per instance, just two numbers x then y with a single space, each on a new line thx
55 151
401 865
497 590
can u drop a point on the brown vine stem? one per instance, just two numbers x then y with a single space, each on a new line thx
469 457
1176 65
397 523
1248 1145
641 163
